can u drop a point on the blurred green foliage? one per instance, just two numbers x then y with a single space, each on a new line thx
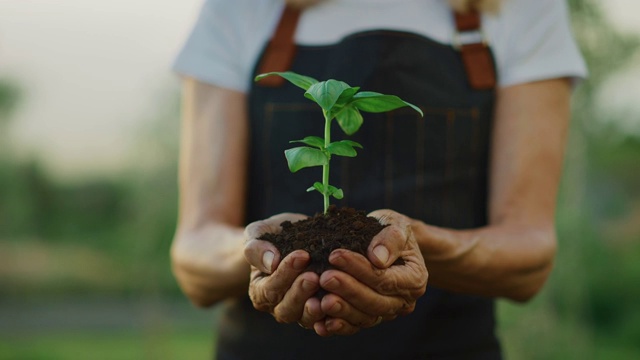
108 235
107 345
9 99
111 236
589 307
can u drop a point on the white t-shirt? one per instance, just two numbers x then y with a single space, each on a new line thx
531 39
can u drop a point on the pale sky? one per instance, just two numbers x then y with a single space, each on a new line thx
94 71
91 71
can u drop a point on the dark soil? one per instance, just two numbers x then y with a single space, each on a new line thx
343 228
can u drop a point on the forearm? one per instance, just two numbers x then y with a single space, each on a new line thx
513 255
504 260
209 264
213 156
207 252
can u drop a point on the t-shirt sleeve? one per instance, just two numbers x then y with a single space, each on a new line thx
225 42
539 44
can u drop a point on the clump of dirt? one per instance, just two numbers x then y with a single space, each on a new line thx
344 228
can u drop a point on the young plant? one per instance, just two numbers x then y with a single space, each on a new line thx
338 101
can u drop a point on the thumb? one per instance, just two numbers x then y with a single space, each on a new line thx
387 246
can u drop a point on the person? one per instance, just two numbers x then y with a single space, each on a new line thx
468 192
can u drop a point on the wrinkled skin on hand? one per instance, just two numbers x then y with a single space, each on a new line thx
363 291
280 287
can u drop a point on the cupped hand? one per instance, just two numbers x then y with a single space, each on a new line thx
281 287
363 291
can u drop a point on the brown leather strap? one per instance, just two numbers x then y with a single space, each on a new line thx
467 21
476 57
479 66
281 49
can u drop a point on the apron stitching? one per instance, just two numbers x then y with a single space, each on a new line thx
420 155
475 118
344 168
449 156
269 111
388 198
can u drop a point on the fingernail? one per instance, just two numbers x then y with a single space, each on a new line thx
335 326
338 260
332 284
308 285
267 260
299 264
336 308
381 253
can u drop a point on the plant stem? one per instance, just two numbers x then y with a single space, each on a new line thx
325 168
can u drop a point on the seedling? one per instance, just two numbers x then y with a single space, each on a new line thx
338 101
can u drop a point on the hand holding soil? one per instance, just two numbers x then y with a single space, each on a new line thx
279 286
366 294
359 291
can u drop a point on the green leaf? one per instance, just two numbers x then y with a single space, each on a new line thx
311 141
331 191
326 93
344 99
335 192
301 81
317 186
302 157
374 102
343 148
353 143
347 95
349 119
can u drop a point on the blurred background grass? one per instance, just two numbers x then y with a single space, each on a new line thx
84 266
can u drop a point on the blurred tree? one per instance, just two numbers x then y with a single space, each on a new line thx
32 204
9 99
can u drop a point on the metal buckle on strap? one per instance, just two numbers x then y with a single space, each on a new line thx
461 38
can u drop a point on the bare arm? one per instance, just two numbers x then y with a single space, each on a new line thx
513 255
207 251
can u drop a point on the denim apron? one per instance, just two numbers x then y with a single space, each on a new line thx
432 168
